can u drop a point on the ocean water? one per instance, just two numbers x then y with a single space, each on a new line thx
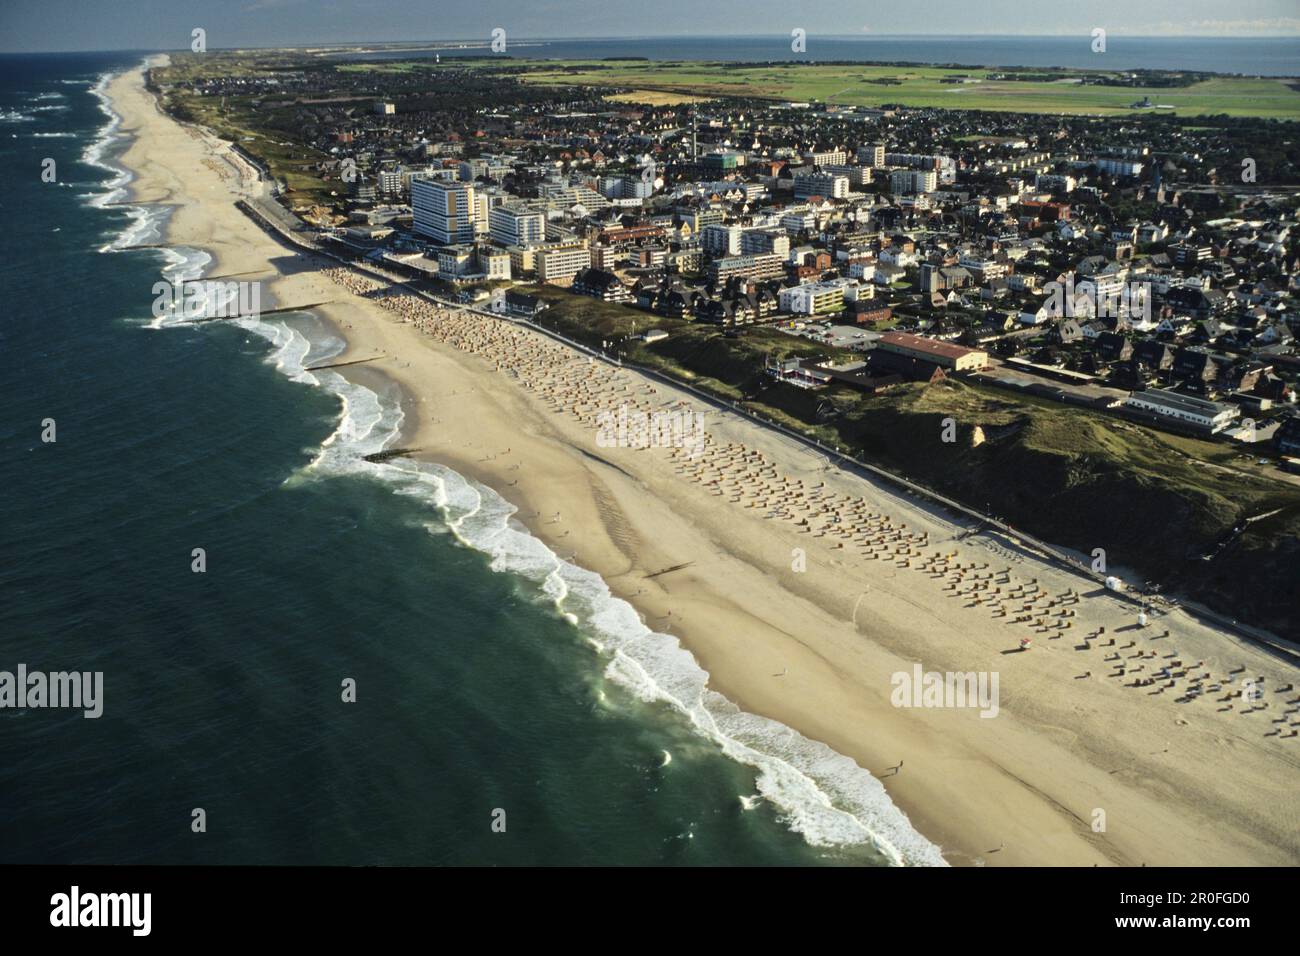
1253 56
493 681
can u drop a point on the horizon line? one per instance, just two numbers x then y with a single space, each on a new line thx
973 37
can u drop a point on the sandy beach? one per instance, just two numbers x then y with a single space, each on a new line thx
802 590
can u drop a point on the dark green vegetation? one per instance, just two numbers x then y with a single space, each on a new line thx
1163 505
1157 503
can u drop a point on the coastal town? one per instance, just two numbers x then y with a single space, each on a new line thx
1142 281
1136 269
588 435
820 264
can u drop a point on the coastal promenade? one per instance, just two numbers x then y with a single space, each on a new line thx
286 227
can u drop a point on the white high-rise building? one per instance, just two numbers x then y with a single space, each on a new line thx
874 155
558 263
516 225
833 157
757 241
445 212
908 181
720 240
821 184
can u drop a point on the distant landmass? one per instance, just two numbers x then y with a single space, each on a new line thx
1252 56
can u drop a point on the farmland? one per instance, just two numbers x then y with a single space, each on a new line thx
920 86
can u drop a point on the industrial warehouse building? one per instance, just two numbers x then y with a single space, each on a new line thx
944 354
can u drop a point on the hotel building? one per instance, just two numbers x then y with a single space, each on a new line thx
446 212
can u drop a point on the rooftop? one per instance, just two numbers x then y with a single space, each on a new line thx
928 346
1179 402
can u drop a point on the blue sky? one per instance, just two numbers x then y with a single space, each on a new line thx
46 25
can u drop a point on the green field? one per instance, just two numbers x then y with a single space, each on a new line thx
873 85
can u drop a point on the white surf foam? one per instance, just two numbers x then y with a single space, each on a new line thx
146 221
823 795
820 794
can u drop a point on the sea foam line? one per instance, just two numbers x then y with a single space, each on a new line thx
822 795
147 221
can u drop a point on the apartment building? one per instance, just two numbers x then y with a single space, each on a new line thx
558 264
944 168
515 224
856 175
446 212
821 184
913 181
873 155
982 268
768 266
720 240
818 298
835 157
799 221
759 241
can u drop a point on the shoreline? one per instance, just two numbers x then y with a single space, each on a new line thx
1016 794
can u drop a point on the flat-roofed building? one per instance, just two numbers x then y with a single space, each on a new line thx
722 160
817 298
763 266
444 211
799 220
758 241
1197 412
821 184
514 224
717 239
523 260
982 268
856 175
699 218
557 265
833 157
909 181
875 155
